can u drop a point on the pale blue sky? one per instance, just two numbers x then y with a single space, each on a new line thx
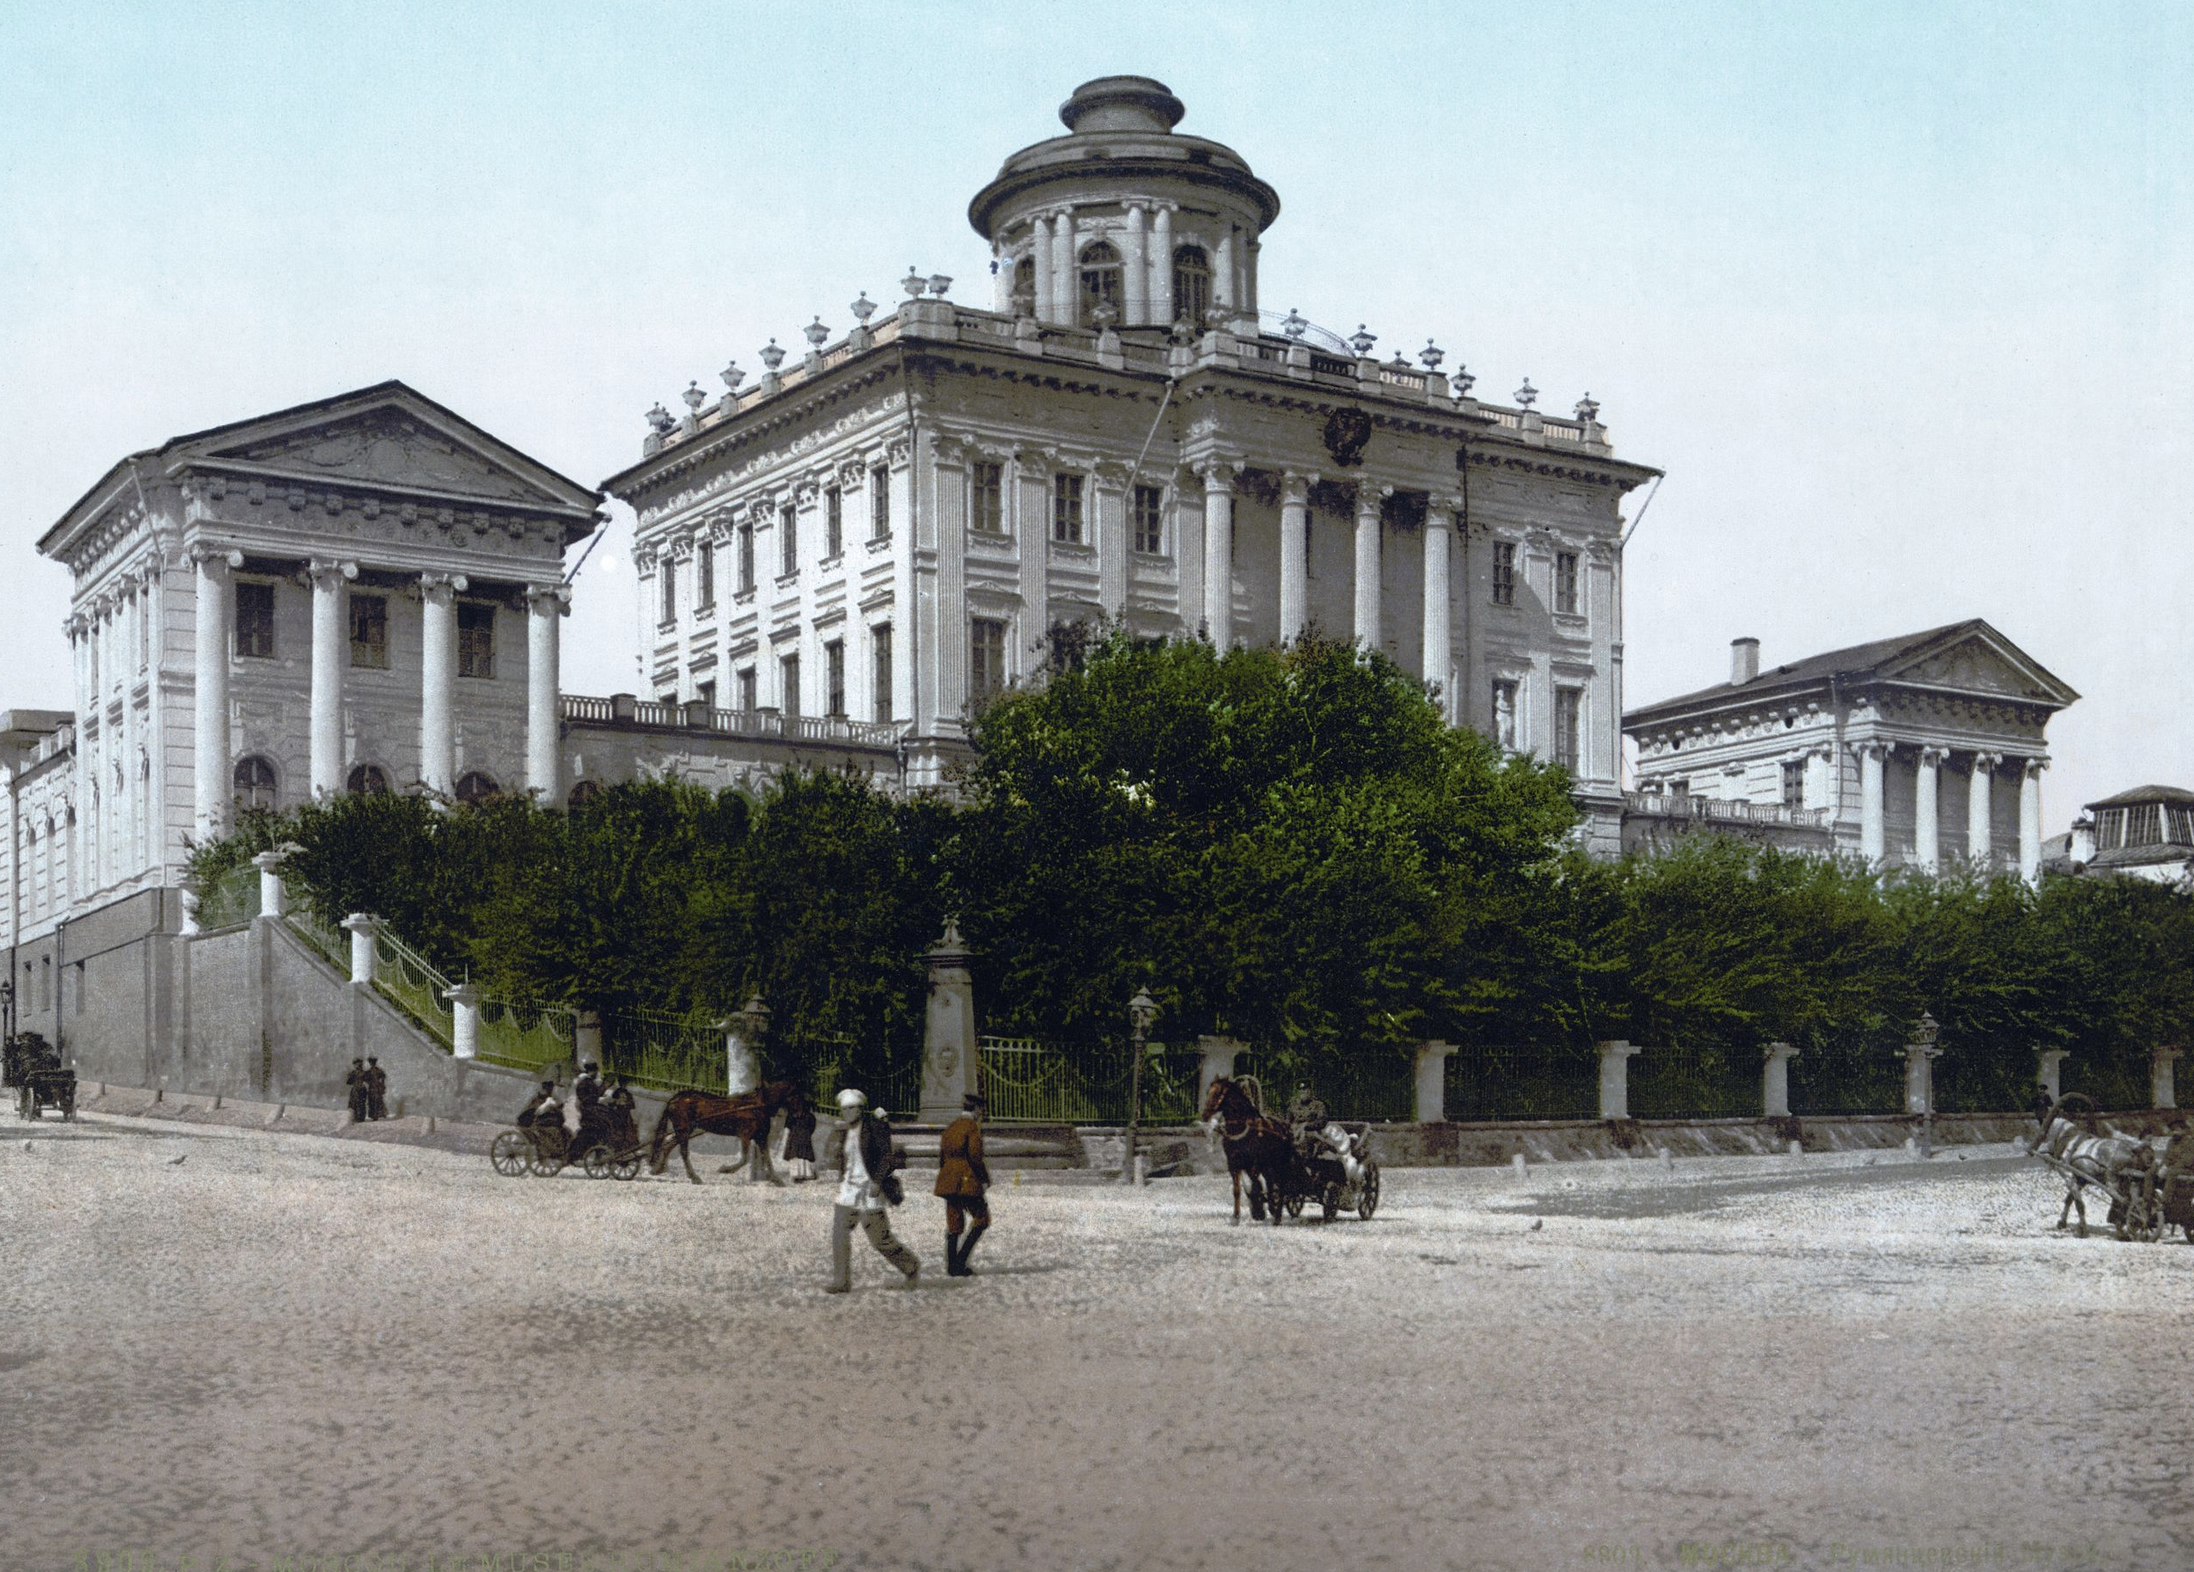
1898 294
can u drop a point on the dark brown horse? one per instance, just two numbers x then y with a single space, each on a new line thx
746 1116
1259 1147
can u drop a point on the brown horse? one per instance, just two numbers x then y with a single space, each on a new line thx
746 1116
1255 1145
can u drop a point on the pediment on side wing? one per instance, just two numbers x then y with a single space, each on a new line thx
1979 663
389 447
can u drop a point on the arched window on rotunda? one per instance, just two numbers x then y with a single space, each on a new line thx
1100 281
255 782
476 786
1191 285
368 780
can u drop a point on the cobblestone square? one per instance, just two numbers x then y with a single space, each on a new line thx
281 1350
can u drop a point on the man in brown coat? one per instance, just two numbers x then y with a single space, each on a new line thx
962 1177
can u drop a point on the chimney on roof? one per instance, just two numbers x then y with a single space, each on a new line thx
2082 842
1744 661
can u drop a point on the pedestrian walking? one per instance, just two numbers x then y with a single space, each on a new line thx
355 1085
377 1089
866 1158
962 1177
800 1141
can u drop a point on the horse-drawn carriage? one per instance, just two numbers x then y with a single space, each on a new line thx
1287 1166
1333 1167
2148 1193
606 1145
31 1068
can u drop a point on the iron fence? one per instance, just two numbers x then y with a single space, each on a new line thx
1028 1081
667 1052
230 901
411 982
1519 1082
1696 1083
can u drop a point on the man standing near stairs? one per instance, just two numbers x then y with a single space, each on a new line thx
867 1160
962 1177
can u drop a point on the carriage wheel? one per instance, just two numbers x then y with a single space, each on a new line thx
1296 1200
547 1164
599 1163
1330 1202
1367 1198
628 1166
509 1155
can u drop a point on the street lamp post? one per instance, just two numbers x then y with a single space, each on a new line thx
1925 1041
1142 1010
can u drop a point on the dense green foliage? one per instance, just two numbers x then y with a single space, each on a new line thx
1289 846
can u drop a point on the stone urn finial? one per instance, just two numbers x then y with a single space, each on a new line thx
1294 325
1588 409
1527 395
694 397
1462 382
1363 339
1104 316
914 283
772 356
816 332
732 375
863 309
939 283
1432 354
660 418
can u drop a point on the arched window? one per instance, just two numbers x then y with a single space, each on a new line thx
1024 284
1191 285
368 780
1100 281
584 792
255 783
476 786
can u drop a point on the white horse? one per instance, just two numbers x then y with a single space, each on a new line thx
2116 1164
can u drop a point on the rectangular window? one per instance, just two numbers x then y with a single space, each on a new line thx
788 541
834 522
704 567
669 612
788 673
1565 581
1150 535
989 511
1505 728
1504 573
986 671
1794 783
1066 509
704 693
879 503
2144 824
475 639
369 631
834 678
254 623
1569 708
746 557
1680 791
880 676
746 689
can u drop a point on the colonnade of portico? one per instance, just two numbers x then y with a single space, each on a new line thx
1873 755
213 764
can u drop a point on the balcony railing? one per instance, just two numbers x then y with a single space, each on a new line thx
1657 805
762 725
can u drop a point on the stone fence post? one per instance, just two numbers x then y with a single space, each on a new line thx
742 1071
586 1038
464 1004
1775 1080
1615 1057
2048 1075
273 898
1432 1057
950 1068
190 914
364 960
2163 1092
1216 1056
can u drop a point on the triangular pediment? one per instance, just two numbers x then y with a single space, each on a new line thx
1978 660
388 437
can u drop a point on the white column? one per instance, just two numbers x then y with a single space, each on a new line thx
1438 638
1215 1056
364 927
213 786
545 604
1222 272
1040 228
1871 843
2049 1071
438 681
328 642
1294 571
1135 270
1775 1080
1920 1077
1064 296
273 896
1432 1060
1927 839
2030 820
2163 1091
1615 1060
1980 807
742 1071
1368 497
1219 553
1161 266
464 1010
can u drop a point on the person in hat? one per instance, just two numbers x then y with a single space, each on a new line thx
355 1084
866 1159
800 1141
543 1109
377 1089
962 1177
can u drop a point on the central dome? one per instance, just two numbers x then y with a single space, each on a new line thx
1122 103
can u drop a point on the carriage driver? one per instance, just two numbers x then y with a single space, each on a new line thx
1306 1116
544 1109
586 1091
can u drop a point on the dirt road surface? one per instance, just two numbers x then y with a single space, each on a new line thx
261 1350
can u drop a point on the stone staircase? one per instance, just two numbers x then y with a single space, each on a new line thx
1005 1146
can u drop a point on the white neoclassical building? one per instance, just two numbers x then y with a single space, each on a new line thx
922 508
1915 751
